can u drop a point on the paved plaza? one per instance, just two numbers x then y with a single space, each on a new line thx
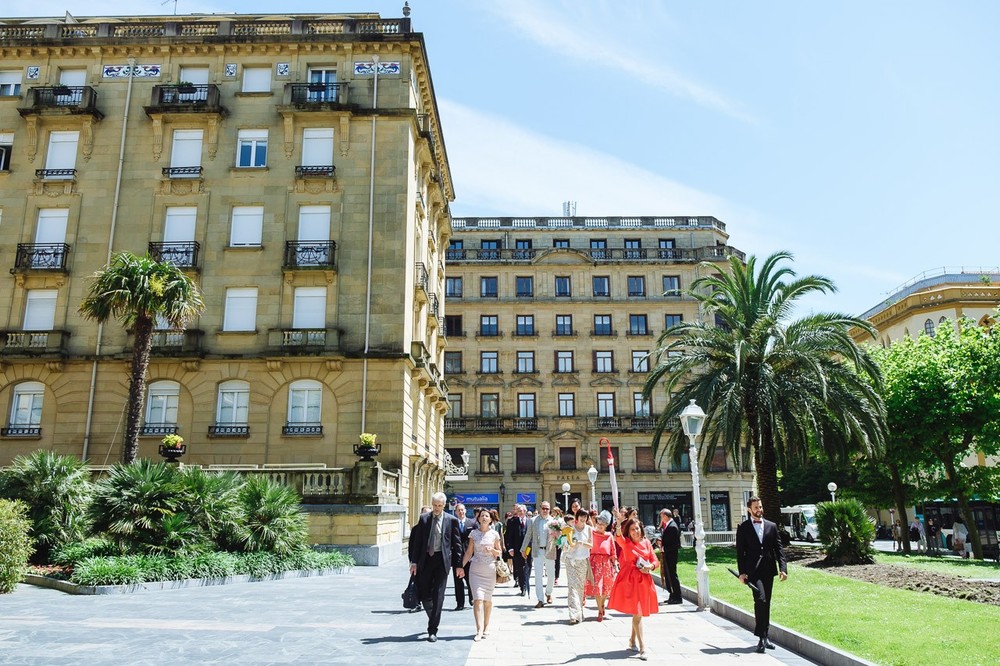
352 618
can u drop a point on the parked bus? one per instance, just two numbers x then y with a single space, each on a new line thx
800 521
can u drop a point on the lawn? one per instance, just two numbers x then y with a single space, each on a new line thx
950 565
884 625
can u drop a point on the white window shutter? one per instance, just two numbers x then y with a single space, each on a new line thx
241 309
317 146
247 226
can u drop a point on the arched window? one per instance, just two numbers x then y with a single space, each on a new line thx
26 410
234 403
305 398
929 327
161 408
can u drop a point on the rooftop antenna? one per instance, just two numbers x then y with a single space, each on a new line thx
169 1
569 209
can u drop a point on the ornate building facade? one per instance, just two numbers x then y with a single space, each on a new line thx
295 167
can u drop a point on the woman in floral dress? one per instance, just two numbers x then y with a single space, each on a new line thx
602 563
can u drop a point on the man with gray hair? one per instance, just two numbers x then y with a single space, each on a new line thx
541 540
435 546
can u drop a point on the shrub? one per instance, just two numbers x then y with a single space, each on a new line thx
273 520
15 544
56 490
123 570
71 553
259 564
212 501
846 532
214 565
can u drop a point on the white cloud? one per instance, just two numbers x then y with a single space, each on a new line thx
613 36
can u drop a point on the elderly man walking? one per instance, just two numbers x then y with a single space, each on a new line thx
541 540
435 547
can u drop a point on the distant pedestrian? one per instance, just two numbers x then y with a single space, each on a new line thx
917 534
481 555
960 538
517 529
465 527
933 538
897 536
434 548
602 564
633 592
577 563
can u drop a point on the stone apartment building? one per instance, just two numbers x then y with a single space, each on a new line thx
295 167
549 321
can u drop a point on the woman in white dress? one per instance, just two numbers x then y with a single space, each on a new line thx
483 551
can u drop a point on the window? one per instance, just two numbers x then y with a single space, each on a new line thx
178 230
671 285
185 153
453 326
567 404
606 405
241 309
615 453
60 161
525 324
452 362
234 403
309 311
488 326
524 460
525 361
251 148
488 363
317 147
567 457
40 310
644 460
929 327
638 325
6 150
197 76
526 405
633 249
489 405
563 287
304 400
602 325
602 286
640 405
488 287
489 250
525 287
667 249
718 463
489 460
323 88
604 361
26 409
256 79
453 287
455 250
522 249
636 286
314 225
564 325
598 248
50 230
161 405
455 405
640 361
10 83
564 361
560 242
671 320
247 226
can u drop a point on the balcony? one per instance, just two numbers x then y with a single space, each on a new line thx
158 429
302 430
501 425
317 96
604 333
228 430
315 171
175 342
48 257
26 432
297 341
182 254
55 174
587 223
720 253
61 100
435 308
420 279
310 254
182 172
33 343
186 98
622 423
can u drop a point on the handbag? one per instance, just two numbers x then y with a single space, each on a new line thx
503 571
410 597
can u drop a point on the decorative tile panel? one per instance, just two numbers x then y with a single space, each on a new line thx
281 69
33 71
384 68
230 69
138 71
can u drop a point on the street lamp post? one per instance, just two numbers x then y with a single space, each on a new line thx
692 421
503 495
832 487
592 477
565 489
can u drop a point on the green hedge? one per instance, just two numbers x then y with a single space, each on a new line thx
134 569
15 544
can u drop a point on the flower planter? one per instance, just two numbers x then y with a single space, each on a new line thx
172 453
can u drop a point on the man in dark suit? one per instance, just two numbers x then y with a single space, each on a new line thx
759 556
435 547
465 527
517 528
670 544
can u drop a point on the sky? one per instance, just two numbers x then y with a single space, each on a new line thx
863 137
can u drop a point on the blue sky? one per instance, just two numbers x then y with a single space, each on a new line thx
861 136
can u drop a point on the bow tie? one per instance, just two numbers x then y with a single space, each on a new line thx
758 522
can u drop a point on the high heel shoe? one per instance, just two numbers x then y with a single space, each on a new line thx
632 647
478 638
642 656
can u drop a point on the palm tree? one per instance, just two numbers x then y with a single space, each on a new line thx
137 291
770 387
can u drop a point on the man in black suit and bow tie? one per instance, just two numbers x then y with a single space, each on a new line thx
759 557
517 529
465 527
434 547
670 545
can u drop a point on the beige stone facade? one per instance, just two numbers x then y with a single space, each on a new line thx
295 166
548 321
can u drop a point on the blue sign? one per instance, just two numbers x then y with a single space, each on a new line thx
473 500
526 498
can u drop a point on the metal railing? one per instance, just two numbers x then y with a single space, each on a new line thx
182 171
302 429
187 97
41 257
504 424
158 429
21 431
219 430
310 254
55 174
420 275
599 255
319 94
702 221
75 99
183 254
315 171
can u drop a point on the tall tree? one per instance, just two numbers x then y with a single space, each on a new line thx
943 405
137 291
766 382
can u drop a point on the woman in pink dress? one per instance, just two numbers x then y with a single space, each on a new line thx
634 592
602 563
483 551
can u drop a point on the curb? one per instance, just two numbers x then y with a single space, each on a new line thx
810 648
156 586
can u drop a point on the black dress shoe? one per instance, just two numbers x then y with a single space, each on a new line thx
674 601
433 639
459 608
760 647
768 644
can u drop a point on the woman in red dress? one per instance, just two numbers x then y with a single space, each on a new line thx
634 592
602 563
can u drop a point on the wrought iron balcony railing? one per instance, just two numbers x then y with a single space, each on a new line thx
315 171
622 423
505 424
182 172
183 254
29 431
64 99
302 429
40 257
186 98
158 429
55 174
318 95
420 276
236 431
310 254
